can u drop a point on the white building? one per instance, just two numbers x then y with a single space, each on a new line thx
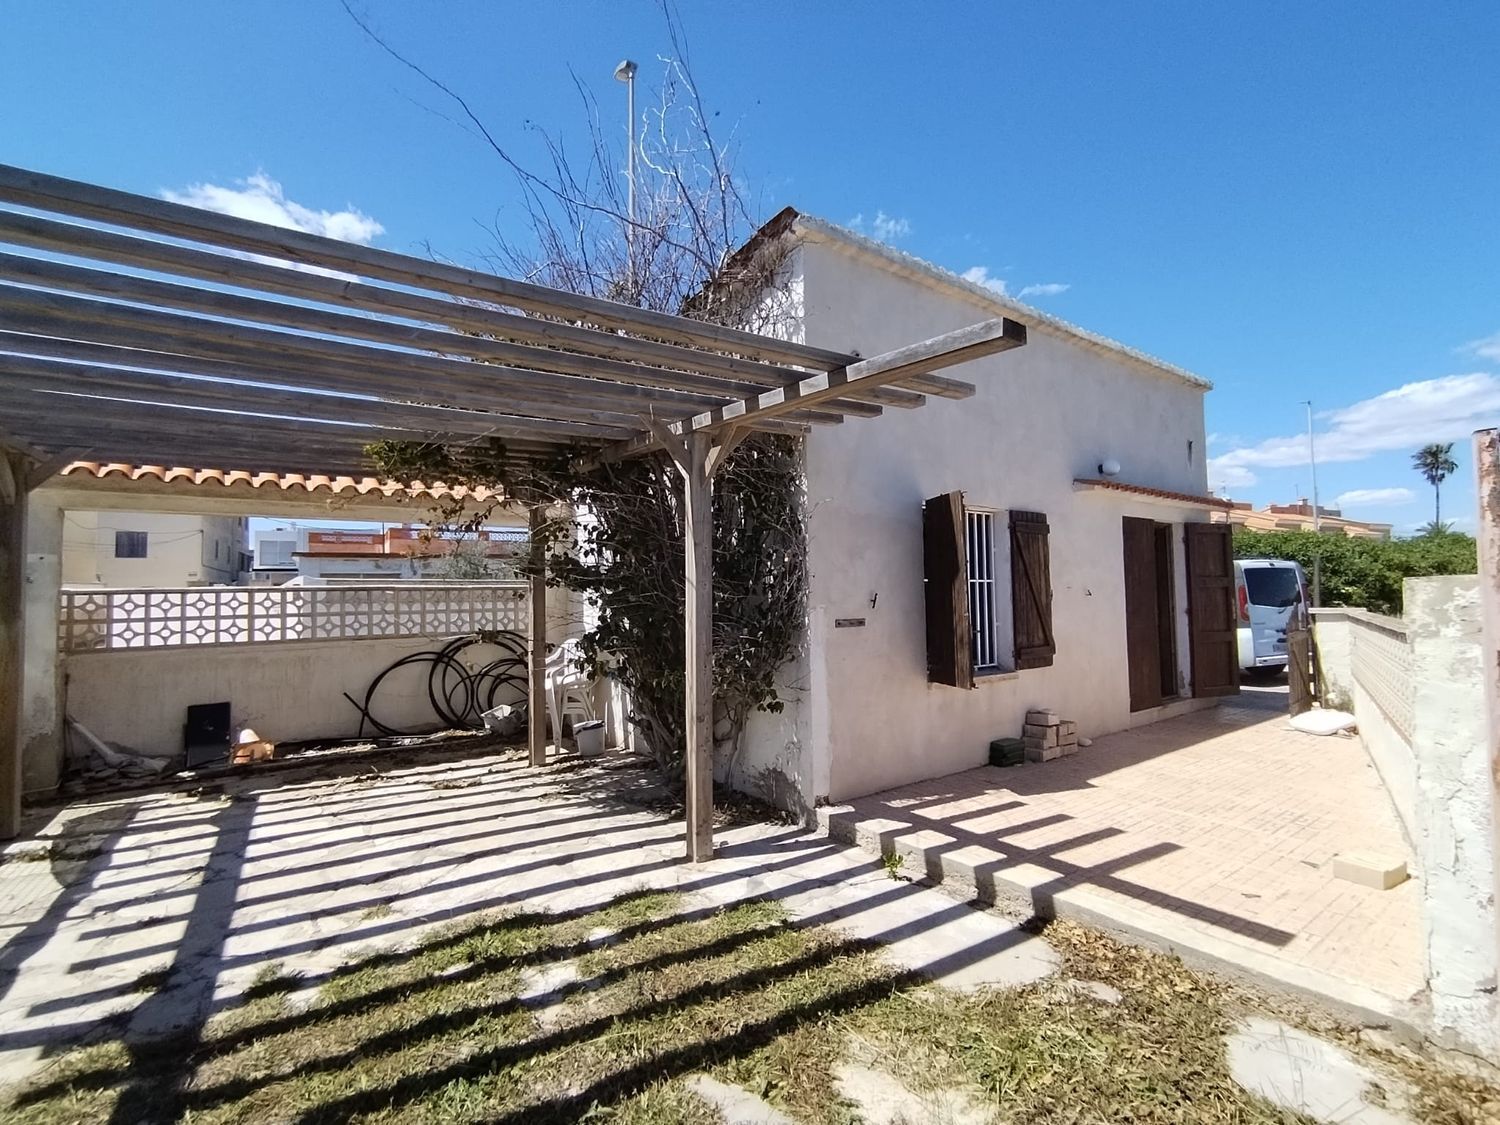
1061 504
152 549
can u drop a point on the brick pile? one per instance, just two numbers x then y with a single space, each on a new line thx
1047 737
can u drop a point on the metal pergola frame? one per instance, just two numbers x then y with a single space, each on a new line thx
146 332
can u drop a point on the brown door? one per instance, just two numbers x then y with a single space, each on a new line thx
1142 614
1211 610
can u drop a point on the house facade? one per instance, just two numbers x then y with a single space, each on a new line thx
1045 543
153 549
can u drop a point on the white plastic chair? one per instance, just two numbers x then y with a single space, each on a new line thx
570 693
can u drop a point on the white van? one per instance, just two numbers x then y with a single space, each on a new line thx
1269 595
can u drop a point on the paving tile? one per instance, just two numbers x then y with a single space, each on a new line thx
1208 820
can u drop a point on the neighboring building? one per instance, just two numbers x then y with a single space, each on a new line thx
319 554
1059 519
152 549
1299 517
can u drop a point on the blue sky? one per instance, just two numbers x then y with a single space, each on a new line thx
1294 200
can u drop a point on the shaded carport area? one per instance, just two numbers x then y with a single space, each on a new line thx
145 332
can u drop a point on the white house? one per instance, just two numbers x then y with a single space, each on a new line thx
1044 543
153 549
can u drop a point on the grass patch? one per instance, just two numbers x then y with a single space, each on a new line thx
376 912
457 1030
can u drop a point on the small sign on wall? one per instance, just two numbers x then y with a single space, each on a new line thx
848 622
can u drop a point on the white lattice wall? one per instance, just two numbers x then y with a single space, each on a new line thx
1381 659
94 620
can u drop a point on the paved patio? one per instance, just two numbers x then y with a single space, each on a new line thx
145 914
1212 834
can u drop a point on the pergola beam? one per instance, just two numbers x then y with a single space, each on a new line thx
974 342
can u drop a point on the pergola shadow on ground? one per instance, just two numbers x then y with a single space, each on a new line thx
191 338
152 912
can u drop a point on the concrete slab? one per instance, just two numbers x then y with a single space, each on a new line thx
736 1105
1301 1072
883 1100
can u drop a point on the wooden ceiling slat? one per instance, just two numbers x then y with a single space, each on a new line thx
118 208
212 303
30 373
374 370
42 233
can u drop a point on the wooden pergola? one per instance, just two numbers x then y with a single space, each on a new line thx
146 332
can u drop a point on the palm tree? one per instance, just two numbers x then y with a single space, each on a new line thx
1435 462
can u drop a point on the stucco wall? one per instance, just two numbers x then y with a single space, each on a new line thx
139 697
1454 808
1389 750
1044 415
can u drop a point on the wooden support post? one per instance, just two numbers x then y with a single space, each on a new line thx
14 469
536 708
699 653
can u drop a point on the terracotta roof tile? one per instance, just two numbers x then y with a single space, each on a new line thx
1158 493
240 480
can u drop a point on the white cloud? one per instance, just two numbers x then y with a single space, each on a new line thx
1046 289
1443 409
1486 348
262 200
1375 497
887 228
1228 477
980 275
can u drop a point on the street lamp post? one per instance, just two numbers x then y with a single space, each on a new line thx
1312 459
625 73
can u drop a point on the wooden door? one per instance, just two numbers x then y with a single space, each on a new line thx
1211 611
1142 614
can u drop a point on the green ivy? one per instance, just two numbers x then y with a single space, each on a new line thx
616 536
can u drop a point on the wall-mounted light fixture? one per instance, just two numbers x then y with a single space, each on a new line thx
1109 468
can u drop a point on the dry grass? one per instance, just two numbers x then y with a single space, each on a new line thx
643 995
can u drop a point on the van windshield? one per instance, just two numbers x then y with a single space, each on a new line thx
1273 586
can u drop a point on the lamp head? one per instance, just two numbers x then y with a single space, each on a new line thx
625 71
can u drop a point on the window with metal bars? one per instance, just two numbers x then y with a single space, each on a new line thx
984 624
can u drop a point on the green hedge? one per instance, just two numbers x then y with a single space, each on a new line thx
1363 572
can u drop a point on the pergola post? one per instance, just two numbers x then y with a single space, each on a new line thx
697 532
536 708
698 457
14 469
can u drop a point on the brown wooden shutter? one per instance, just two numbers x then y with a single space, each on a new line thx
1142 614
1211 609
946 569
1031 590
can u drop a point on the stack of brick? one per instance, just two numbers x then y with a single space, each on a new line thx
1047 736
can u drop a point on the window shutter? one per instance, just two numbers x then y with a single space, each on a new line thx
946 571
1212 615
1031 590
